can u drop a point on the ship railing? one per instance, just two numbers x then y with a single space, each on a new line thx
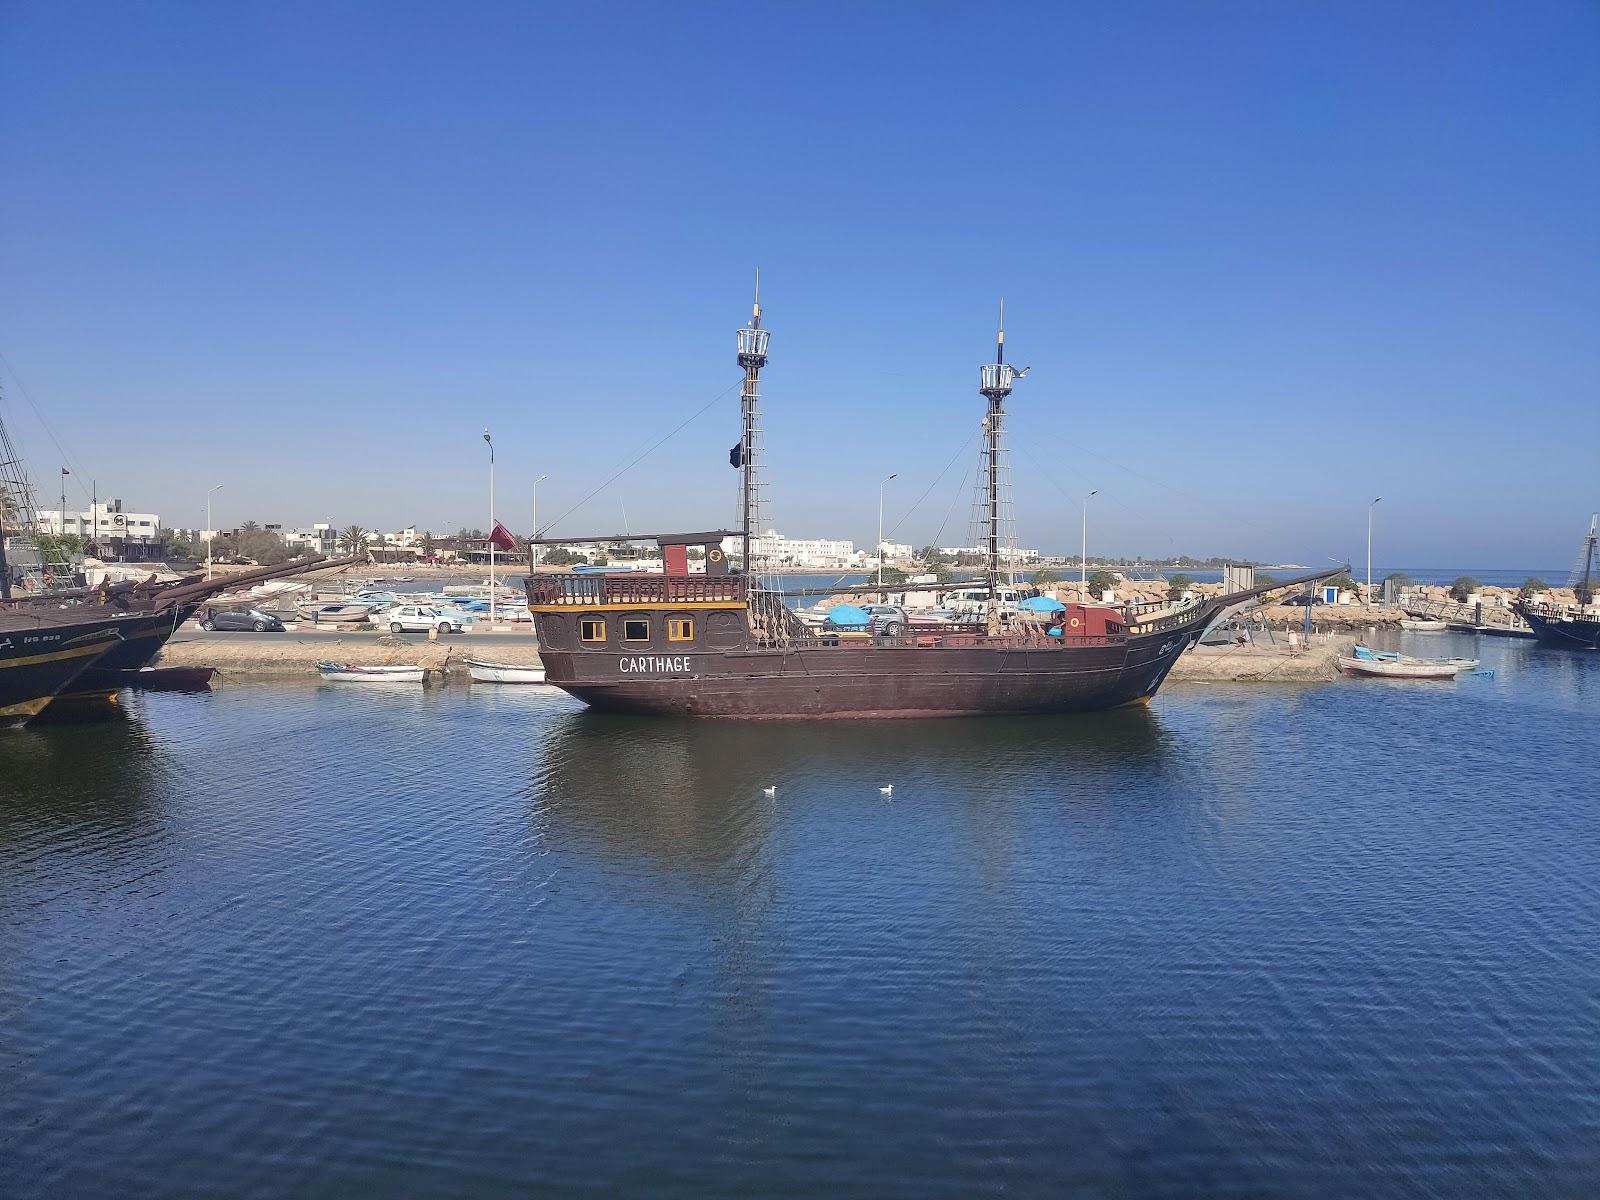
628 587
1172 617
964 639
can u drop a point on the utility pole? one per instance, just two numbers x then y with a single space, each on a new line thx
881 486
490 441
1370 507
533 523
1083 555
210 530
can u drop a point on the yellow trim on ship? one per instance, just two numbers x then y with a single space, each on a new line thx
99 647
28 708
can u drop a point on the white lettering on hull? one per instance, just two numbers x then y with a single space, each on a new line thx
655 664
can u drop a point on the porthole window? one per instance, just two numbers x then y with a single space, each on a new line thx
680 630
592 629
636 631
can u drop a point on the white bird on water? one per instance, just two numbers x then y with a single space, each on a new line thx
886 791
769 792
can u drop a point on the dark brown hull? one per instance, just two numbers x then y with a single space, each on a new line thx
871 681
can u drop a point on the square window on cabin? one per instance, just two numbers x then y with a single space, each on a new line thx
680 631
636 631
592 631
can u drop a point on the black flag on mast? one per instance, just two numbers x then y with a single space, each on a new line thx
736 456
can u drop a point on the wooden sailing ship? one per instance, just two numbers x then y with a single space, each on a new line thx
720 644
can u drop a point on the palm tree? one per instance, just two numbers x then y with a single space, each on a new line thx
249 527
353 539
427 544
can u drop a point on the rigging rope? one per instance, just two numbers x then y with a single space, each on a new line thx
642 455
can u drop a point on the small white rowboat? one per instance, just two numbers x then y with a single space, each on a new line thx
358 673
488 672
1418 626
1404 669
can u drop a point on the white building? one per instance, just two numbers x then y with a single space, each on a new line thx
772 549
1015 555
896 552
321 538
117 532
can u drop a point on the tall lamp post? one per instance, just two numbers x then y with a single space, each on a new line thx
1083 553
490 442
1370 507
881 486
211 533
533 519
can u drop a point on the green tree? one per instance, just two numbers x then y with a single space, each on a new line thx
353 539
1100 582
177 546
262 545
560 556
1534 584
1463 587
932 556
1045 578
426 544
1177 585
892 576
1343 582
1265 580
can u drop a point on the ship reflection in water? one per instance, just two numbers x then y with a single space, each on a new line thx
1282 941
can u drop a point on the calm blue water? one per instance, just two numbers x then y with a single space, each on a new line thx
1322 941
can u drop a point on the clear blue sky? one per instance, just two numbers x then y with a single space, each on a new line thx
1267 260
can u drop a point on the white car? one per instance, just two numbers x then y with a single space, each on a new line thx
414 618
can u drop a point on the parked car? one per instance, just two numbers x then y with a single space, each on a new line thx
888 619
1304 599
245 620
415 618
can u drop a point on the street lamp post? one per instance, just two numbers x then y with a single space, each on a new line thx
533 519
881 486
211 533
490 441
1370 507
1083 554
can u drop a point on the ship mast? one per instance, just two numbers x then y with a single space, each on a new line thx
1585 592
752 357
995 381
17 515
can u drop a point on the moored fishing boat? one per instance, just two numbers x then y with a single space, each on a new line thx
721 644
489 672
339 613
1366 653
1386 668
369 673
170 679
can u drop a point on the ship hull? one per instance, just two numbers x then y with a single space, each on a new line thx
871 681
143 636
1567 633
37 666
